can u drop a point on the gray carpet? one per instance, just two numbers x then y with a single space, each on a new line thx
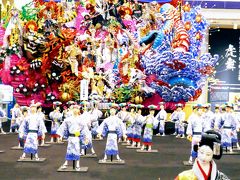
166 164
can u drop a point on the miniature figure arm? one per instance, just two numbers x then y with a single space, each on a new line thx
181 117
234 123
122 127
189 127
22 128
60 116
100 128
144 120
172 116
42 128
62 129
155 123
51 115
2 113
165 116
100 114
158 115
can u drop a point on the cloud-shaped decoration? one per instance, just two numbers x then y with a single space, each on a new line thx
183 82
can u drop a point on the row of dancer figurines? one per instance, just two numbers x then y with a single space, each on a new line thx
131 116
115 128
78 128
132 120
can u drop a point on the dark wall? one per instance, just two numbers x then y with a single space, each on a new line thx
219 42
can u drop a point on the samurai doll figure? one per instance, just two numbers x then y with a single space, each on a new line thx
204 166
16 114
151 123
137 126
95 121
228 127
195 129
123 115
2 115
56 117
113 128
130 122
41 134
75 133
32 125
161 117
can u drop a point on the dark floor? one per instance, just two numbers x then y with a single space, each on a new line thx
166 164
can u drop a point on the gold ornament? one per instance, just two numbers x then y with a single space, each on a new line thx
188 26
198 18
65 97
138 99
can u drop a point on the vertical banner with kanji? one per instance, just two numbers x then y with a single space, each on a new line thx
84 90
226 88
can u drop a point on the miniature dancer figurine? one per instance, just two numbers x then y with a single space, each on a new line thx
112 127
228 126
208 118
86 118
217 118
194 129
123 115
56 117
161 117
235 131
41 134
74 132
137 126
174 119
32 125
16 113
23 117
204 168
181 119
151 123
130 122
2 115
97 114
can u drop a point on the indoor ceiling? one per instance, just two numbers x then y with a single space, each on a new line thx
223 18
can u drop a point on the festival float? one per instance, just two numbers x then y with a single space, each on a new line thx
143 52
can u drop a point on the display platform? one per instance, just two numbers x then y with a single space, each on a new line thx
147 151
49 142
231 153
32 160
16 148
132 147
89 156
70 169
44 145
111 162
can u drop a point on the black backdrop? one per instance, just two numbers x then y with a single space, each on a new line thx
219 42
